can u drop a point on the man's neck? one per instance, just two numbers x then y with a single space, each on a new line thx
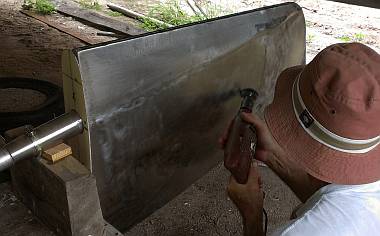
300 182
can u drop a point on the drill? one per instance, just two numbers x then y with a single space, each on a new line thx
242 140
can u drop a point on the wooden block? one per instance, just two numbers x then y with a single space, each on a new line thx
57 153
65 61
63 196
74 100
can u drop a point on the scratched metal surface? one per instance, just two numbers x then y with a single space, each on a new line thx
156 104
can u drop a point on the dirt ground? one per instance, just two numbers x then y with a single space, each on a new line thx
205 209
30 48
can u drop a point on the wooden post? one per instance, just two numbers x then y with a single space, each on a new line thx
62 195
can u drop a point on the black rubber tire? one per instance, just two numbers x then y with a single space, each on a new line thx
52 107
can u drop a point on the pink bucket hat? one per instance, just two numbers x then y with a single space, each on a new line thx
326 115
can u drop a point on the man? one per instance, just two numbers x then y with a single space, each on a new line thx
321 136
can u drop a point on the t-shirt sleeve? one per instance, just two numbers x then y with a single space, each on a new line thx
280 230
297 227
354 213
310 224
284 228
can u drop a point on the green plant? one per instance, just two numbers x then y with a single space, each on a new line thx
345 38
114 13
309 23
359 37
90 4
44 7
214 10
171 13
310 38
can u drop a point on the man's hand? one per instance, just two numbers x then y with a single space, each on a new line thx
266 145
248 198
272 154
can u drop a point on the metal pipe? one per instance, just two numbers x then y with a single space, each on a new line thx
33 141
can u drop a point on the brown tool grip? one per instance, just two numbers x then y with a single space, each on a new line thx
239 152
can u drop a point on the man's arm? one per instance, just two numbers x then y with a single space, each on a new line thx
253 224
248 198
296 179
272 154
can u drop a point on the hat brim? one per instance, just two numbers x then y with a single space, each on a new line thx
315 158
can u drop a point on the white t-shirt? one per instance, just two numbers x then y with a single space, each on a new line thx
338 210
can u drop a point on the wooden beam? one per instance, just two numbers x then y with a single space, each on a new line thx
83 38
95 19
136 15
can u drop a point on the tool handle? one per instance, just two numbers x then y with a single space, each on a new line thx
239 151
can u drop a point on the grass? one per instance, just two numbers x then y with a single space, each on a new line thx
357 37
309 23
44 7
90 4
114 13
172 13
213 10
345 38
310 38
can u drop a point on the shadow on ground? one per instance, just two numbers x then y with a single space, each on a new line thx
204 208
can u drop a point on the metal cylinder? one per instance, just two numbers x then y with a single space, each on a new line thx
33 141
5 159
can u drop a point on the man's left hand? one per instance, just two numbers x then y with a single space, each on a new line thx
248 197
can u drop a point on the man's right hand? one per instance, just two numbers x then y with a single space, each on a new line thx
274 156
267 147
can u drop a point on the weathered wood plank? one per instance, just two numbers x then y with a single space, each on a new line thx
83 38
95 19
135 15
